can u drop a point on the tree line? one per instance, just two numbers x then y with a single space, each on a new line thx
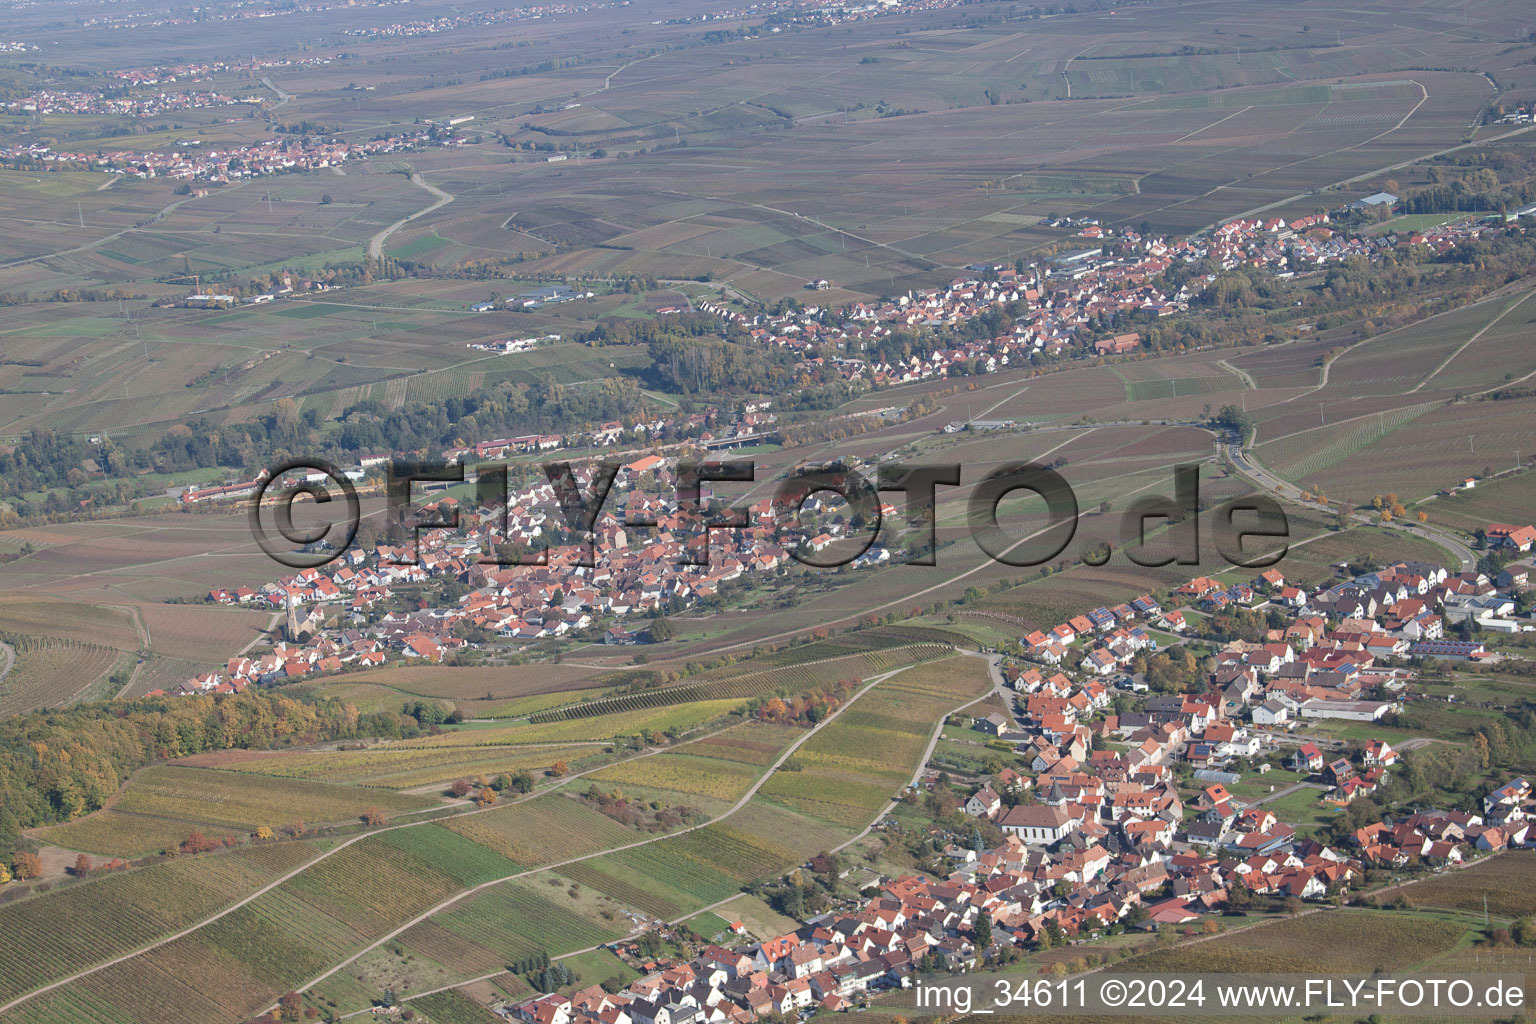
57 765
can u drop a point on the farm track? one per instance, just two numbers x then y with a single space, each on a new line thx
142 658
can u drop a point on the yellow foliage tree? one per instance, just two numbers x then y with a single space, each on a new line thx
264 832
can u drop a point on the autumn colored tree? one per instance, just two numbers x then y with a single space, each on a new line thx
264 832
461 788
26 865
558 769
374 817
775 709
83 866
5 874
487 797
196 842
291 1005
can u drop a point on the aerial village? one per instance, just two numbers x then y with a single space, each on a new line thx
1098 832
1096 836
1061 298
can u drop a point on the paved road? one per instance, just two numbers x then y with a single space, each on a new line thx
1244 462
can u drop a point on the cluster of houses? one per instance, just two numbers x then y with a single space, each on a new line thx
166 74
650 556
427 26
58 101
1095 853
1448 837
1062 297
827 964
200 16
220 166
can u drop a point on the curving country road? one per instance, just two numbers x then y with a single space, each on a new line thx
1260 476
376 243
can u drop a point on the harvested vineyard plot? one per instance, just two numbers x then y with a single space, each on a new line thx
517 919
755 743
1305 455
1175 387
49 671
625 722
542 831
240 963
461 859
791 675
835 797
161 805
192 631
459 683
1440 449
370 884
68 620
117 912
1506 500
1507 883
113 833
683 774
1319 943
401 766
